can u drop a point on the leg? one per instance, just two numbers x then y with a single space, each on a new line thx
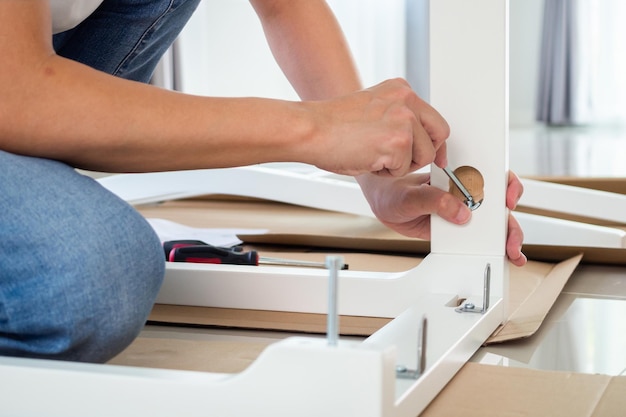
79 268
126 37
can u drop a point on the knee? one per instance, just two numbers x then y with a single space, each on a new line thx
90 293
118 289
122 291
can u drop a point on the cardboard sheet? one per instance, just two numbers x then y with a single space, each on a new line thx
262 320
488 390
221 356
532 295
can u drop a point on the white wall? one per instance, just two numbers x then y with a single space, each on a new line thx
525 40
224 52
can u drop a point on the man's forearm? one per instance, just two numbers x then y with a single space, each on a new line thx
309 46
56 108
96 121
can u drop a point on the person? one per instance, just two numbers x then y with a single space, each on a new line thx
79 268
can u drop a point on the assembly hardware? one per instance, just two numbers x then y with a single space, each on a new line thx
470 307
334 263
469 200
404 372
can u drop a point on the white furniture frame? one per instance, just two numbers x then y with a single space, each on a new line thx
307 376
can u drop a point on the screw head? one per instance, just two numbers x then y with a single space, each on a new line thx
473 205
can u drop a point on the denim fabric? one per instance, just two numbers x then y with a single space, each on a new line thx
79 268
126 37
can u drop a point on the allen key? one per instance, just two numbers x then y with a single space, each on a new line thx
470 307
469 200
402 371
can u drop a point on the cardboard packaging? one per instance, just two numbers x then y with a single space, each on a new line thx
487 390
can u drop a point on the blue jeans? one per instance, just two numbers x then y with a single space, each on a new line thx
126 37
79 268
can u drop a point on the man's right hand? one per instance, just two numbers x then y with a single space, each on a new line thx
386 129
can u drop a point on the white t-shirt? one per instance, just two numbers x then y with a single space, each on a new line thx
68 13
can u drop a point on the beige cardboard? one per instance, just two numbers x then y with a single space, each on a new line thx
525 316
263 320
220 356
487 390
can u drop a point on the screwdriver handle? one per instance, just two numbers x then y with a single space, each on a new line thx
173 244
207 254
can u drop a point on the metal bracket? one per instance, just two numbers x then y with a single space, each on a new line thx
402 371
469 307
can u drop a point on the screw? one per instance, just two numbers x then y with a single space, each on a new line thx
469 200
401 368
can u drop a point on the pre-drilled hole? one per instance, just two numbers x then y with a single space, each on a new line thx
456 302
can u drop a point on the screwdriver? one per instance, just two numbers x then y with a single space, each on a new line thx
197 251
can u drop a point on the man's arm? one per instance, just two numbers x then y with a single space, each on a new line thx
309 46
55 108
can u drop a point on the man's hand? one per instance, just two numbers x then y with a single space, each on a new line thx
405 205
515 237
386 129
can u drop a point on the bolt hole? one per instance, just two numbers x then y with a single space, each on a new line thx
456 302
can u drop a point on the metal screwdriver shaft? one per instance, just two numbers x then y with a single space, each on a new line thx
288 262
